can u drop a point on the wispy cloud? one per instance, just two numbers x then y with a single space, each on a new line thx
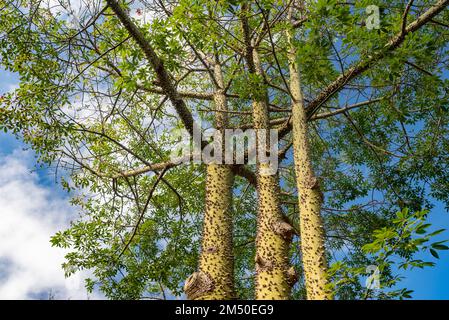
30 213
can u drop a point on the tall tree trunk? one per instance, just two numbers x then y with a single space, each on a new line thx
215 277
309 193
274 277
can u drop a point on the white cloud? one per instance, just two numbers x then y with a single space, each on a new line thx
30 214
72 12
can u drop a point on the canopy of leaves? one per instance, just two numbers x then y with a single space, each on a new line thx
90 105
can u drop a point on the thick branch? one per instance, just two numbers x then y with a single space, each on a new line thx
163 77
157 64
324 115
182 94
365 64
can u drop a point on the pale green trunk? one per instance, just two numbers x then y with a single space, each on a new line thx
215 277
309 194
274 276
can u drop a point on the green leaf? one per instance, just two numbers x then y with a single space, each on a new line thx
434 253
407 294
436 232
422 229
440 246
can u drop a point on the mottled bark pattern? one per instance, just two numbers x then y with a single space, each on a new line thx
309 194
273 272
215 278
216 260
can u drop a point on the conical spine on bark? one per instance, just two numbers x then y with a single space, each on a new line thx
274 276
215 277
309 193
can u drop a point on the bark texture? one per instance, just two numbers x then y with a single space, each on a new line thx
309 194
274 276
215 277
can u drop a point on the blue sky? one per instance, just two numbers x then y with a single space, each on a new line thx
33 207
432 283
45 206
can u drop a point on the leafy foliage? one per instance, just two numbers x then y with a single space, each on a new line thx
393 248
91 106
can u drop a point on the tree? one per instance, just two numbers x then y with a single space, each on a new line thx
217 260
359 109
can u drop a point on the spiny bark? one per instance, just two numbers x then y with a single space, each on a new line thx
274 276
215 278
309 193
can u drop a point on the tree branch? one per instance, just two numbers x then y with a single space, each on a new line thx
157 64
365 64
164 78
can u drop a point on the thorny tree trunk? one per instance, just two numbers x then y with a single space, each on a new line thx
309 193
215 277
274 277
